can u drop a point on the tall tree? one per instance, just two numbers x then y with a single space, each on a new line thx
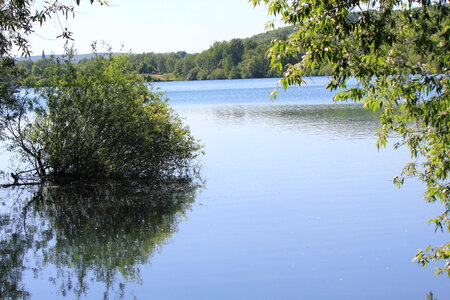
236 50
398 51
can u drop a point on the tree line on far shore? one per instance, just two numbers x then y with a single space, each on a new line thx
235 59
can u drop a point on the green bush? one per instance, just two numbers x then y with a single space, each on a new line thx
202 75
192 75
217 74
100 120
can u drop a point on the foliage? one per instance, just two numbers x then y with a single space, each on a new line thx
100 120
238 58
17 20
97 120
16 24
398 51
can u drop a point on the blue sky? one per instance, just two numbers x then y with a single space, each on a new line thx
153 25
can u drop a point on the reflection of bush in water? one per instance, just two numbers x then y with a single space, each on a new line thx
336 119
13 245
109 229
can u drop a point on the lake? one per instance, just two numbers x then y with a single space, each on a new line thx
297 203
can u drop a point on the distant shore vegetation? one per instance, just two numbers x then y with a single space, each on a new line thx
235 59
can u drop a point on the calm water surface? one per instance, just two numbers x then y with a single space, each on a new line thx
297 204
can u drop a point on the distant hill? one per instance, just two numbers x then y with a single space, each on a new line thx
268 36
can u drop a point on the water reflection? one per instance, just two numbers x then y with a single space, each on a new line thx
334 120
89 234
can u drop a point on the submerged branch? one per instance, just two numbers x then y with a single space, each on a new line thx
8 185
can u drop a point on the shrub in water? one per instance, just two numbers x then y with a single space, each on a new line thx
99 120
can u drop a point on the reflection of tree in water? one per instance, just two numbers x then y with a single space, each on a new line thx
13 246
99 232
